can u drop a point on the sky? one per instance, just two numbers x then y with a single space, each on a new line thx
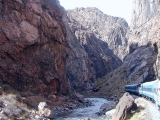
118 8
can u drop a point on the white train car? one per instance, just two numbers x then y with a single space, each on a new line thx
151 90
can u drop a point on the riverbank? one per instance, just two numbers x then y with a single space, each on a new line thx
91 112
76 108
26 105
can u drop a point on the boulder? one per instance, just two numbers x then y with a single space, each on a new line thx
106 106
3 117
140 103
44 110
125 104
79 97
51 99
71 105
33 101
110 113
87 118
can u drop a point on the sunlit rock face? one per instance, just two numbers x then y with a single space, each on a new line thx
33 46
103 37
140 65
124 106
143 11
145 24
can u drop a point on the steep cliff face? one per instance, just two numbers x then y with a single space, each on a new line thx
140 65
137 67
145 26
103 37
33 46
79 67
145 22
143 11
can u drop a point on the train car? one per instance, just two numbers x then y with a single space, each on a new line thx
134 89
151 90
147 89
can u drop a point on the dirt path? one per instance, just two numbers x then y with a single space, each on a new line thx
153 110
147 110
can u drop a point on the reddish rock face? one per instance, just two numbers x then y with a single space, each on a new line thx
33 48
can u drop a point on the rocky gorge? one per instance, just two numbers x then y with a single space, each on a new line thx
50 55
103 38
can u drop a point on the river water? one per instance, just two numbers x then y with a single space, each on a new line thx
90 112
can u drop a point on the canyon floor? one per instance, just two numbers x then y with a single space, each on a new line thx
12 108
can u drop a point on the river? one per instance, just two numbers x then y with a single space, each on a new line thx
82 113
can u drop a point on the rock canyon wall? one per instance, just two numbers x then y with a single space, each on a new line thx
145 26
33 46
142 62
103 37
79 67
46 50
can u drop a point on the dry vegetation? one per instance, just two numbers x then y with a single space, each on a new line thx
112 84
10 106
8 89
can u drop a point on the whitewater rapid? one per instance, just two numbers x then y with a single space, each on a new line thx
90 111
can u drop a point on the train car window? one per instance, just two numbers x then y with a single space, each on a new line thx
154 90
